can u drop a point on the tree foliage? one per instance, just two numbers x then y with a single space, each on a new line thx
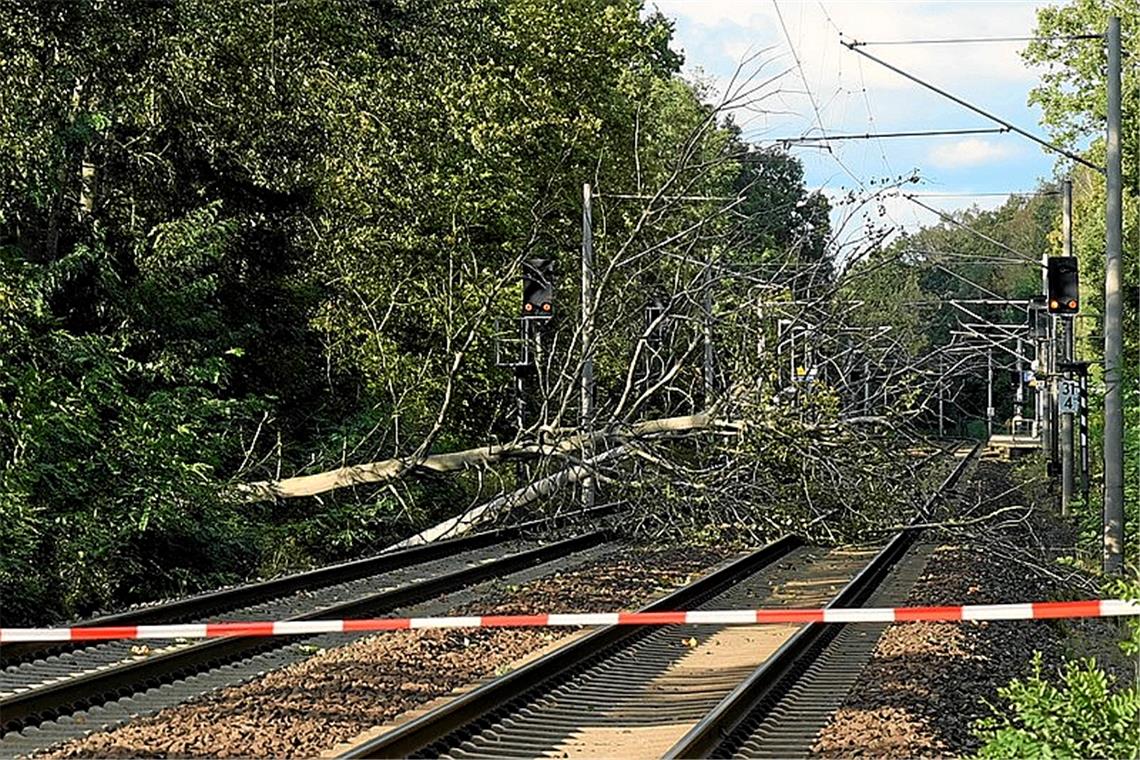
241 240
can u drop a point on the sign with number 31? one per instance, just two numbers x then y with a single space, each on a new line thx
1068 396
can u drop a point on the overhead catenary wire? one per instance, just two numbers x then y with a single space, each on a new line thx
800 69
635 197
811 95
947 218
970 257
815 105
1010 193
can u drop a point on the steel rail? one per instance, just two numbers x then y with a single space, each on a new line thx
209 603
47 701
418 735
770 680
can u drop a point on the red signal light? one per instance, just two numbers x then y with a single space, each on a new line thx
546 307
529 307
1072 304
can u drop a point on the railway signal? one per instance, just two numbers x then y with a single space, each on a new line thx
1064 294
538 289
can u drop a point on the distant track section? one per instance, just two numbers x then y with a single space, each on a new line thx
719 733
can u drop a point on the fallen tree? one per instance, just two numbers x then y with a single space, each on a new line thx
503 504
484 456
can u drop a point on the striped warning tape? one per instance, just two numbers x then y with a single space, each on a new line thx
1026 611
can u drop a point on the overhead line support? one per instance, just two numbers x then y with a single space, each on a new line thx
854 46
881 135
1066 349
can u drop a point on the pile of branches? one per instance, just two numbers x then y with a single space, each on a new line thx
800 467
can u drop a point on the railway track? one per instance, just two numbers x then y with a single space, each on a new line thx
228 600
676 691
780 709
105 678
637 688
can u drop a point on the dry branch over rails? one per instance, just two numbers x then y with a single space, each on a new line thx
841 477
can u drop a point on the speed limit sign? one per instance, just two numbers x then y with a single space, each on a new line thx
1068 396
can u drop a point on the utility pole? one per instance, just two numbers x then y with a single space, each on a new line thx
1113 340
1054 406
707 305
791 355
587 378
1084 431
941 381
990 392
1019 395
1067 324
866 387
1044 373
522 366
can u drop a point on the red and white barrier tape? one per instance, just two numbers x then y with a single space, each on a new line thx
1027 611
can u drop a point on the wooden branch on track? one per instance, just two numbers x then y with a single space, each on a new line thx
391 469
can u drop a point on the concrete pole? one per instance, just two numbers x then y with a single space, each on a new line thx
1067 325
1065 431
990 392
707 306
1113 338
1019 397
941 380
866 387
521 473
1054 417
1044 381
791 355
1084 433
587 378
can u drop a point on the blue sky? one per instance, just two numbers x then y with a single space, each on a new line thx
856 95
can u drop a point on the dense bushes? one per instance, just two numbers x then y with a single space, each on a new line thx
1087 715
1084 714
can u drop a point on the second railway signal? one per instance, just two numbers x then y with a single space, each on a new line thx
1064 294
538 288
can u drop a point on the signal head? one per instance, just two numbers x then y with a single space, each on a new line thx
538 288
1062 278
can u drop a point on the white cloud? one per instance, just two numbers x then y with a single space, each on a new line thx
969 152
814 30
848 94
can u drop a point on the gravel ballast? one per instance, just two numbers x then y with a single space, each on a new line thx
309 707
